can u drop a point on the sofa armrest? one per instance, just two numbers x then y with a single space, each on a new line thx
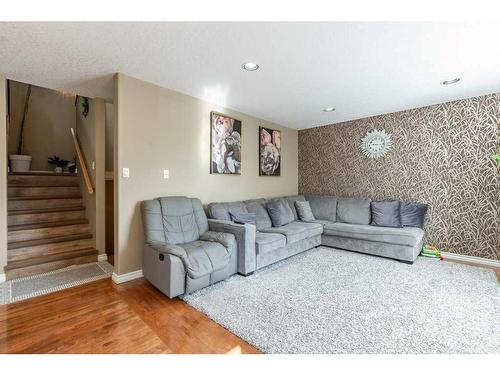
245 238
165 271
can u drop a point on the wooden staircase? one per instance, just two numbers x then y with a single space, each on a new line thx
47 225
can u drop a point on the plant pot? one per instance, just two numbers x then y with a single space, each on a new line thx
20 163
58 170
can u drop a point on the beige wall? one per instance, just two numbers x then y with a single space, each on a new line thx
156 129
3 175
91 136
50 116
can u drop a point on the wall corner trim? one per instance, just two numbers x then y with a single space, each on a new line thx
2 278
471 259
118 279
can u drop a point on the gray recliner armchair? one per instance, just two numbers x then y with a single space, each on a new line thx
181 254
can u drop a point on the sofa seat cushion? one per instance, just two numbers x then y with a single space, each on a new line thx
323 222
266 242
293 231
313 229
399 236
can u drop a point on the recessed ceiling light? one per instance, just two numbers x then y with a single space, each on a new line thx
329 109
451 81
250 66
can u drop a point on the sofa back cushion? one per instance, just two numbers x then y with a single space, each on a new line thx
223 210
386 214
353 211
279 211
173 220
323 207
262 219
244 218
304 211
291 202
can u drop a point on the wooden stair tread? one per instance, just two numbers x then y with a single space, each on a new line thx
45 210
46 267
48 240
47 232
12 228
48 249
42 173
50 258
44 197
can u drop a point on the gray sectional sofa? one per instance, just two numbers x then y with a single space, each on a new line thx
343 223
185 251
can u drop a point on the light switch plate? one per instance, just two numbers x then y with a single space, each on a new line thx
126 173
165 173
93 165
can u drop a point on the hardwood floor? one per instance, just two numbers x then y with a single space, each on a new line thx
102 317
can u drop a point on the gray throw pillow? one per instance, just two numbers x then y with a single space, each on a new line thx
386 214
243 217
304 211
413 214
279 213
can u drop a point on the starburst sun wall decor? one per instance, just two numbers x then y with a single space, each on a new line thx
376 143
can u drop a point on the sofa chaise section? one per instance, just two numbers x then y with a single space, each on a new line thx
347 226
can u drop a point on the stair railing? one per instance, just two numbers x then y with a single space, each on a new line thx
81 159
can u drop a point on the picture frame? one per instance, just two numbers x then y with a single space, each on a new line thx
270 153
225 144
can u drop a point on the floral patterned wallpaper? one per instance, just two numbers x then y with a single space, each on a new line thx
440 156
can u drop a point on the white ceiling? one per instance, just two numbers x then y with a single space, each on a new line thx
361 69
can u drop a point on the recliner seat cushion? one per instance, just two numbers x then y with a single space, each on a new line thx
262 219
399 236
266 242
206 257
323 207
293 231
353 211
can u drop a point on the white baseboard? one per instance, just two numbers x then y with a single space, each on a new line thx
2 277
118 279
470 259
102 258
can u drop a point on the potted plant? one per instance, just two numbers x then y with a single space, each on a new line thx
58 162
72 166
20 162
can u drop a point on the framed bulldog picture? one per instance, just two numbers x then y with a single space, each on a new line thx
269 152
225 144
